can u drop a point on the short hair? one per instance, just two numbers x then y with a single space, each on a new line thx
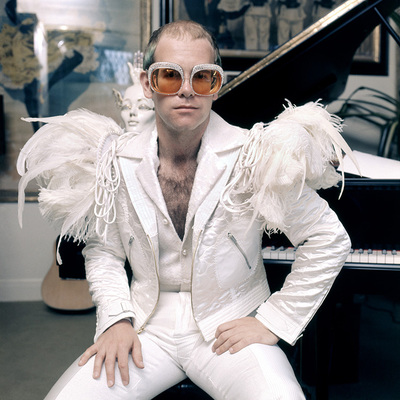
177 30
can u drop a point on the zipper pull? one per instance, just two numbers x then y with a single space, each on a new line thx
230 236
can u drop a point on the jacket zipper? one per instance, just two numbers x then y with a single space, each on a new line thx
141 329
191 280
235 242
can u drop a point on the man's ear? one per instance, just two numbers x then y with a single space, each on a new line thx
148 93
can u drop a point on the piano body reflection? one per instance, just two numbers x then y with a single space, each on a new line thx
315 65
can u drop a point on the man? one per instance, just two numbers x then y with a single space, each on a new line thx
186 203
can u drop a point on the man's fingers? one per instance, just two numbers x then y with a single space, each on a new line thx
109 365
112 349
224 339
223 328
137 355
91 351
123 367
98 363
236 335
225 342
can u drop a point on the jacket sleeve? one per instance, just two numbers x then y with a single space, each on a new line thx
73 158
108 282
323 246
279 168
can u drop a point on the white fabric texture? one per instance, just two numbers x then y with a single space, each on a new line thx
245 181
173 344
223 286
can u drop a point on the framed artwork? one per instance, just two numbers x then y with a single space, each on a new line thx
248 30
61 55
371 58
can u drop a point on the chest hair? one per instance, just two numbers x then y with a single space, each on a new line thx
176 181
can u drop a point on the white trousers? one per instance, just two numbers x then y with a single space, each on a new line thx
174 349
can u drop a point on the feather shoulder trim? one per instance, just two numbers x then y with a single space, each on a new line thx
295 149
73 158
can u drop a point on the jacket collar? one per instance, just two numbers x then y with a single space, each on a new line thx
219 137
220 145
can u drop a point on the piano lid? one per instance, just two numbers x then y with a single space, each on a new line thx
313 65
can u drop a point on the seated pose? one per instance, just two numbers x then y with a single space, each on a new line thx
187 203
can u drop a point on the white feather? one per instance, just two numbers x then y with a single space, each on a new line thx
297 148
68 158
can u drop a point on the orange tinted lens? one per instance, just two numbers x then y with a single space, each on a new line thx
206 82
166 80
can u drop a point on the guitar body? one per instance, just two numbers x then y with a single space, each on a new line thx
71 292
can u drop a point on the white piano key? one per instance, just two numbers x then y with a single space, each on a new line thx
381 257
363 256
355 256
266 253
282 253
373 256
389 258
290 253
396 257
348 259
278 253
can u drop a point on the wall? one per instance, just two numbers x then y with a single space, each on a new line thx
25 254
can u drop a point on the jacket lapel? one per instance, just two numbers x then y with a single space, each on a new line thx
138 167
218 153
217 157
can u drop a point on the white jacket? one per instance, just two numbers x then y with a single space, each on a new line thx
228 276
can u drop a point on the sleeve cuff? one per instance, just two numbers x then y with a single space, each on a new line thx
112 314
282 328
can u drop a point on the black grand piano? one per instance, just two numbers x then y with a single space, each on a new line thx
315 65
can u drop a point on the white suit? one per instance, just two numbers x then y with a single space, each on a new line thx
245 180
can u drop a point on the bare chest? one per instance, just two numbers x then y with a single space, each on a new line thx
176 186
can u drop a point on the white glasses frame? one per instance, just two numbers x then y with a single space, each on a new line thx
177 67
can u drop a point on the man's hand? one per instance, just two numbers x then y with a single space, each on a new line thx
115 344
235 335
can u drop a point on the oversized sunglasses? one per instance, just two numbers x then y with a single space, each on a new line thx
167 78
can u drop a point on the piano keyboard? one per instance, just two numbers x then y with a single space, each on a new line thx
357 257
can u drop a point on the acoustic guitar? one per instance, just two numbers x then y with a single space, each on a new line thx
65 287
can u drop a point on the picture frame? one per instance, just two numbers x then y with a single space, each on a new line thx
371 58
61 56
